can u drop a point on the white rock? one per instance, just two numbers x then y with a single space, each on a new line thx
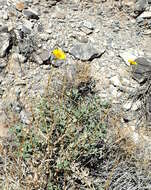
5 15
44 36
147 32
127 106
146 14
136 105
88 25
115 81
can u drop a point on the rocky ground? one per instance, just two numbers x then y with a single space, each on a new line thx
104 34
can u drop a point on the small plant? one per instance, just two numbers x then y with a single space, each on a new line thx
64 130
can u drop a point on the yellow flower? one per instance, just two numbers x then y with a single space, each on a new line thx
132 62
59 54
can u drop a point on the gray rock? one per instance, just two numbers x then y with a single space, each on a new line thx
100 11
45 56
40 28
57 63
42 56
3 63
26 30
139 20
26 46
30 14
142 70
88 25
24 117
85 51
136 105
27 27
127 117
4 43
16 107
4 29
140 6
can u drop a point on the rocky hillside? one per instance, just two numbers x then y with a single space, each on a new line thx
111 37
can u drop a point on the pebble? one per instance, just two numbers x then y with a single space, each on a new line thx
88 25
3 63
24 117
30 14
115 81
20 6
127 106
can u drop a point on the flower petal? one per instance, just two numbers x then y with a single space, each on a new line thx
132 62
59 54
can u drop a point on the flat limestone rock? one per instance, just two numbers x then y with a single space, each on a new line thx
86 51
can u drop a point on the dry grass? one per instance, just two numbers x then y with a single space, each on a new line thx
65 126
75 141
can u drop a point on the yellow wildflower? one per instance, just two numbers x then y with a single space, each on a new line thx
59 54
132 62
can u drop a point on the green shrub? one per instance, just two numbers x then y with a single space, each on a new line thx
65 129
